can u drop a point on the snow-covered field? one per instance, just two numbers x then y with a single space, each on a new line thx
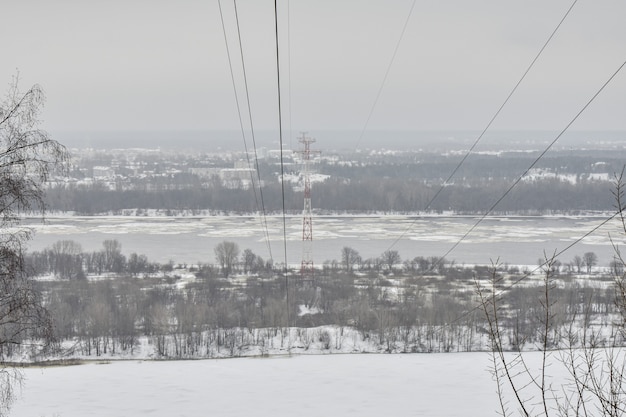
441 385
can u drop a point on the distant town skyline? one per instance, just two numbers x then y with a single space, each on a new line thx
160 65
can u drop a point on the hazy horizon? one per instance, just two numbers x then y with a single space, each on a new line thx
339 139
163 65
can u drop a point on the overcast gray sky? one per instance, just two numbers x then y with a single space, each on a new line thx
162 64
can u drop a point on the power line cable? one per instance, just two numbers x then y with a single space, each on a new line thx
543 264
289 69
243 133
493 118
577 241
382 84
503 104
282 165
256 159
517 181
280 131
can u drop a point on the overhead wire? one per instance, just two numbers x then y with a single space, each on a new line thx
232 77
282 164
384 81
290 135
280 132
513 185
378 96
574 243
571 245
289 70
256 164
531 166
256 157
493 118
516 182
543 264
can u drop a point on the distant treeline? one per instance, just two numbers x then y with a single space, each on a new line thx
565 182
366 195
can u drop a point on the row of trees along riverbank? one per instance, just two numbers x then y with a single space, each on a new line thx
241 304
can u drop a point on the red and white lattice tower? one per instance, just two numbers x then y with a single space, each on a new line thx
306 269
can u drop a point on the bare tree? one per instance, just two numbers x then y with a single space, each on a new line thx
113 259
391 258
528 387
596 365
137 264
68 260
249 260
349 257
27 159
579 263
590 259
226 254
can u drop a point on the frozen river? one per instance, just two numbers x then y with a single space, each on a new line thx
515 240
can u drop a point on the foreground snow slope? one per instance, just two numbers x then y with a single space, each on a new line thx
441 385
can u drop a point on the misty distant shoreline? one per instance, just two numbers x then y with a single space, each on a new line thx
187 214
429 141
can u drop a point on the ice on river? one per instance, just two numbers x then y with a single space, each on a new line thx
515 240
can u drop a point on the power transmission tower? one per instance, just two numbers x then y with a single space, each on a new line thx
307 270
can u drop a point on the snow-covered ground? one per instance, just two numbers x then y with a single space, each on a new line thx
443 385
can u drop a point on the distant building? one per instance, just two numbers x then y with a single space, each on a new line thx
230 174
101 172
242 164
204 172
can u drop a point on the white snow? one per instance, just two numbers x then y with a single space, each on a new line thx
442 385
334 385
600 176
304 310
540 174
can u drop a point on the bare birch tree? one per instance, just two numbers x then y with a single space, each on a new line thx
28 157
